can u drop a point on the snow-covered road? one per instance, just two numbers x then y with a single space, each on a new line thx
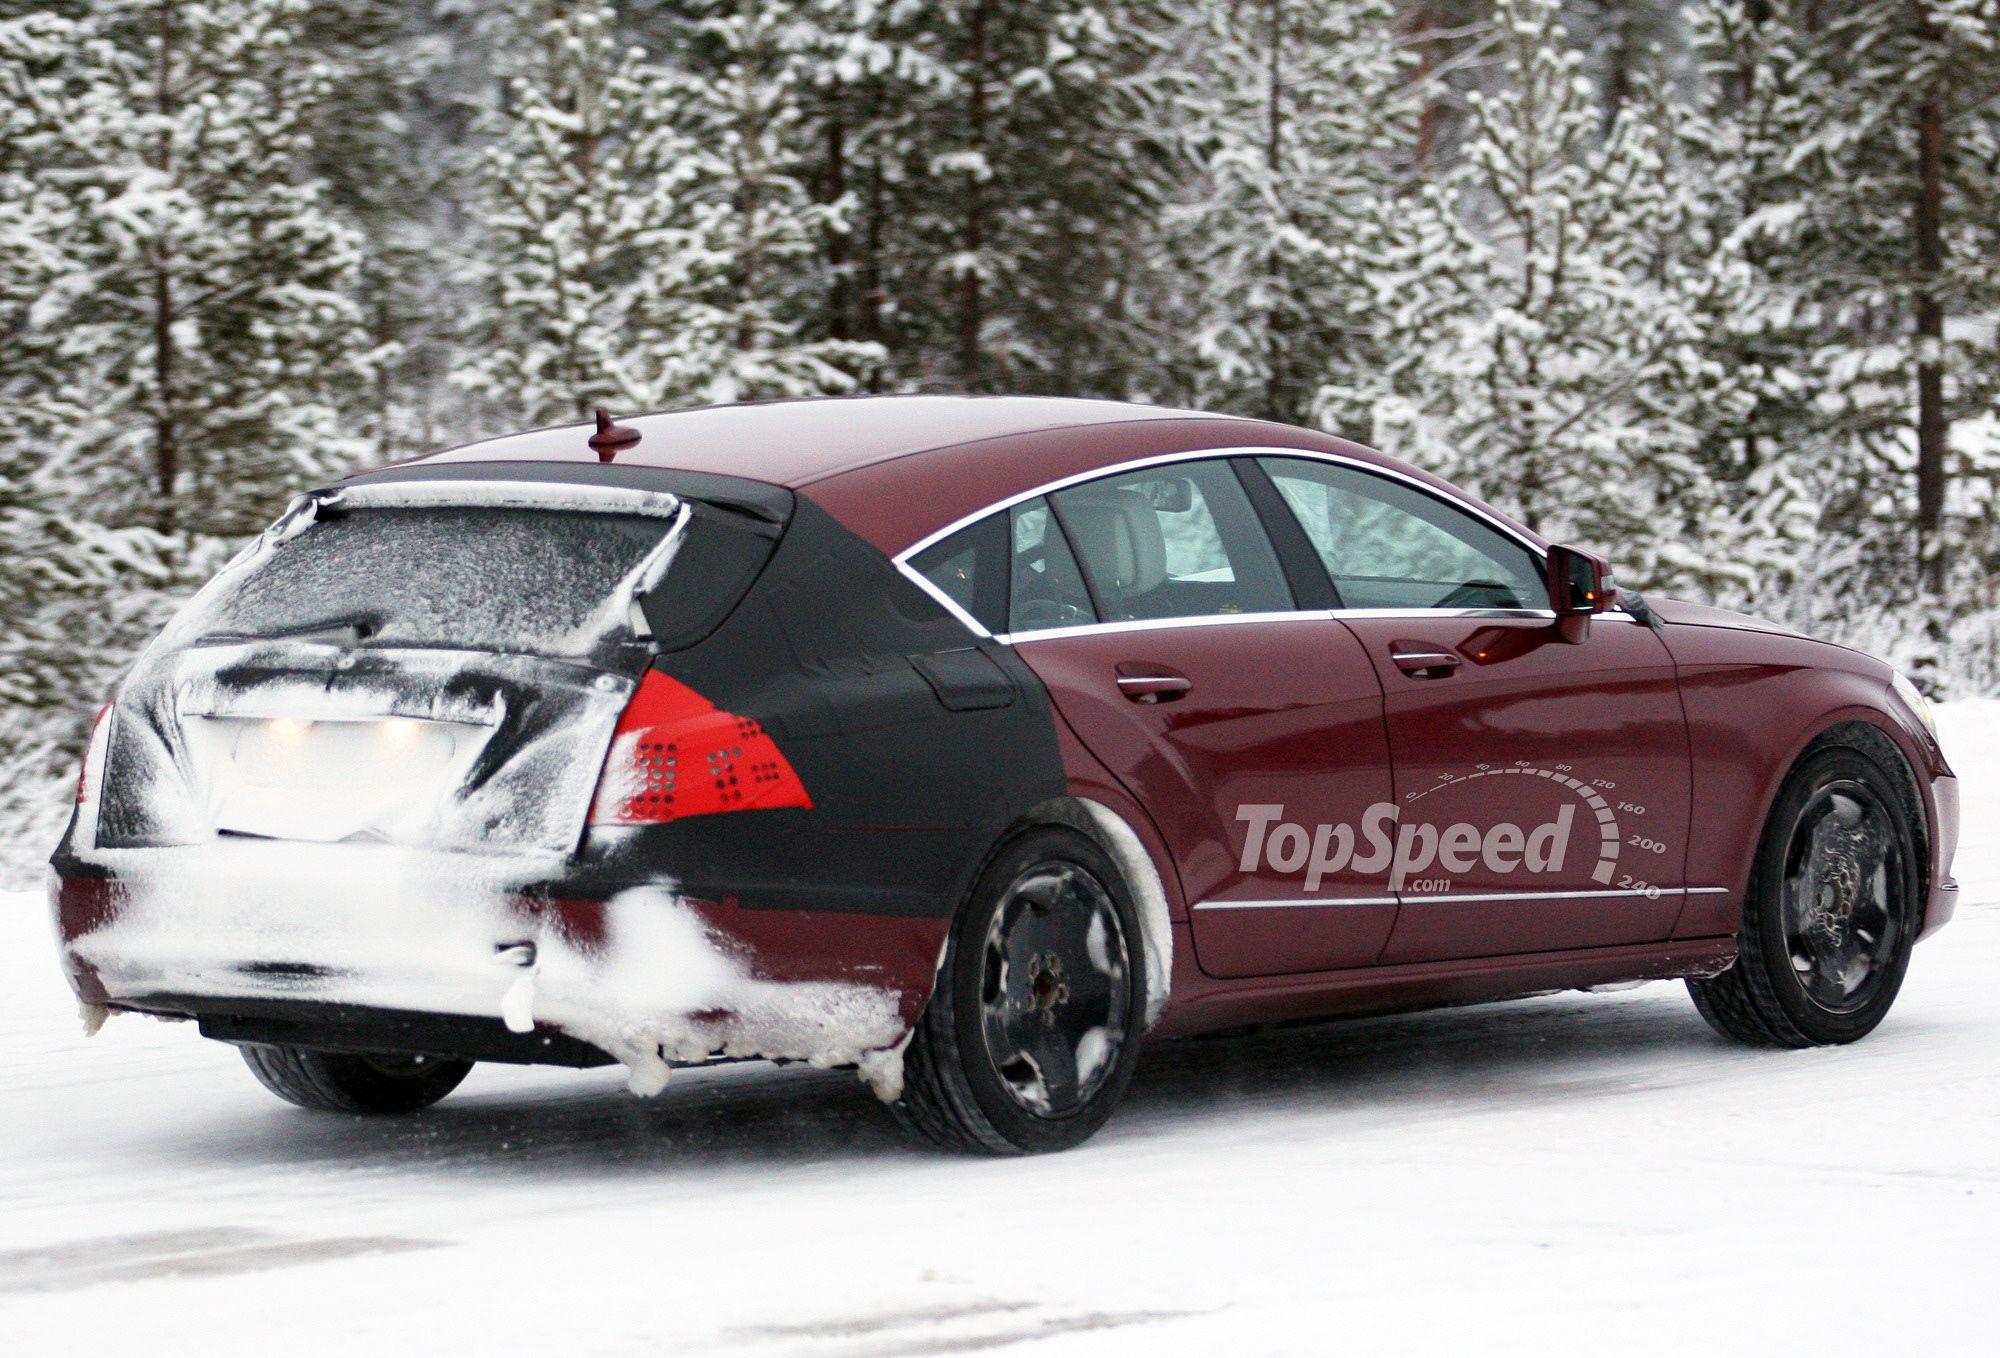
1576 1171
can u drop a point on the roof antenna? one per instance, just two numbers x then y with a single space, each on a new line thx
611 438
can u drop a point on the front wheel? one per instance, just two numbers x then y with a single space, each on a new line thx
1832 911
337 1082
1033 1032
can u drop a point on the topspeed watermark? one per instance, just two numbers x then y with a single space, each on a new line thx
1386 843
1387 840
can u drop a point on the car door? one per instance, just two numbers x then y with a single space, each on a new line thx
1155 611
1541 770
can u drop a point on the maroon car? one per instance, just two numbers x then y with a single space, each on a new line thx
965 741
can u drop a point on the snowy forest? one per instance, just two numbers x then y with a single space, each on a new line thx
1709 287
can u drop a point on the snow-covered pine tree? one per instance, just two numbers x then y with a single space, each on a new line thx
1767 452
865 83
1855 153
43 678
400 151
1450 40
202 325
1298 118
1727 526
1902 235
585 176
648 245
746 278
1032 172
174 341
1625 41
36 221
1529 339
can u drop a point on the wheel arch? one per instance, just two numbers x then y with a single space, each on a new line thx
1871 736
1755 705
1115 835
1759 1000
1860 728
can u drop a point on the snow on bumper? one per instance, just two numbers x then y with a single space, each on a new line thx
647 976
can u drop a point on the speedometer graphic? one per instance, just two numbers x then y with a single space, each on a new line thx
1590 794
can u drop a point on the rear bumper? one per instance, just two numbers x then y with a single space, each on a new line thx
359 950
351 1028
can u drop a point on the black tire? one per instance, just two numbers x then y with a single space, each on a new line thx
1832 911
1055 886
337 1082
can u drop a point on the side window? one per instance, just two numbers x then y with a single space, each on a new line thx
970 569
1178 541
1048 589
1388 545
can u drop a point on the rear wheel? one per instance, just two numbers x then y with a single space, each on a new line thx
1033 1032
1831 914
339 1082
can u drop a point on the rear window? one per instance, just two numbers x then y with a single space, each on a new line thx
522 581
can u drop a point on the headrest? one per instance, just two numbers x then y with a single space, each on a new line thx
1118 535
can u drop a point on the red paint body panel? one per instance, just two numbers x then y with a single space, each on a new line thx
888 951
1280 713
1596 728
1209 1005
80 905
895 952
1090 780
1755 698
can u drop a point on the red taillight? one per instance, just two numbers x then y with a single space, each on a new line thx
93 753
676 754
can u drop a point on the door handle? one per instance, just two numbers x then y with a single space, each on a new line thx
1425 664
1152 683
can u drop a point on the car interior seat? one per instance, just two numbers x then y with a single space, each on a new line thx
1118 534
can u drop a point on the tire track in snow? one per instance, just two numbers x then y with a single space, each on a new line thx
832 1334
181 1254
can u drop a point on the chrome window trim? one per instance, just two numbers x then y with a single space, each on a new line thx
1091 629
980 630
1363 614
1086 629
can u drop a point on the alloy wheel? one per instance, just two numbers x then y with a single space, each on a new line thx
1845 902
1055 988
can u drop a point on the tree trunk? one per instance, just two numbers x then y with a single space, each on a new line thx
971 303
1933 422
166 424
873 271
1274 157
839 252
1431 117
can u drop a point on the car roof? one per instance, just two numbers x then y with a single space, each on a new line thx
795 443
895 469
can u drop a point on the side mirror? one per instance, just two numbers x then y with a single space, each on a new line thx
1580 582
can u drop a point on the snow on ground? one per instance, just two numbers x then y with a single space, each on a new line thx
1543 1176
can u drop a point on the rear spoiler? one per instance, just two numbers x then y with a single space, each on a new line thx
757 500
483 494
